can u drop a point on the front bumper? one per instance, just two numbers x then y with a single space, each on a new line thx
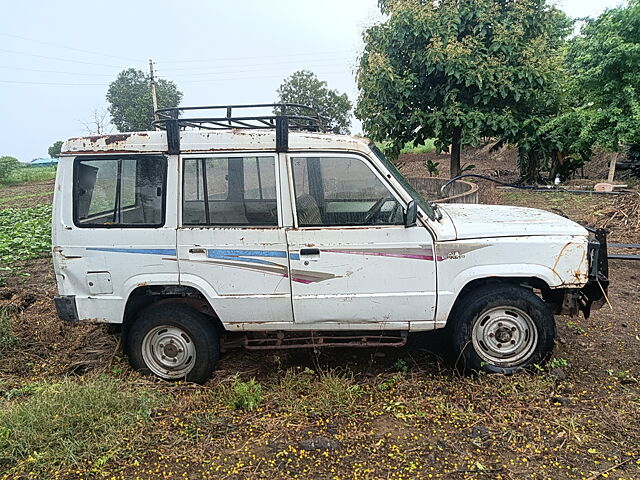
66 308
594 294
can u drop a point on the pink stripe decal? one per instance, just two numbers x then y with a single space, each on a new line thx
382 254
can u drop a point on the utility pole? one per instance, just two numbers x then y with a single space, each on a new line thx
154 97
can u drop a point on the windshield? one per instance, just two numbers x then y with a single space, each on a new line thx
393 170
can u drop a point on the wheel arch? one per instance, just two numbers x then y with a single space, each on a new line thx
145 296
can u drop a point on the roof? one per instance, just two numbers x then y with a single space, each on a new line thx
43 161
195 141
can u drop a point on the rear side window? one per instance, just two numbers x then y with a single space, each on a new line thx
237 191
119 192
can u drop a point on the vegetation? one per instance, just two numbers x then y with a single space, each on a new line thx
71 423
456 70
245 395
55 149
130 103
305 88
24 233
8 165
7 337
26 173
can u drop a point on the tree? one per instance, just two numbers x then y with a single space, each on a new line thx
604 63
305 88
456 70
7 166
100 124
55 149
130 104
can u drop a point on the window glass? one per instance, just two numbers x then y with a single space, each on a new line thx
230 191
337 191
119 192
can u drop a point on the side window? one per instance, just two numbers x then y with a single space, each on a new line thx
340 191
119 192
229 191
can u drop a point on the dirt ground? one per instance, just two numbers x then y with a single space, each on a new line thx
373 414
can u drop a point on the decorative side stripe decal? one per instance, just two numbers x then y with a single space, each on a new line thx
145 251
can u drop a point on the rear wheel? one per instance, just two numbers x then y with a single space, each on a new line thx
173 342
501 329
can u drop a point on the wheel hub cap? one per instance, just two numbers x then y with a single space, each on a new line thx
169 352
504 336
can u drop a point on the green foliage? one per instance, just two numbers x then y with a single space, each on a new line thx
55 149
130 103
433 168
245 395
7 166
26 173
457 70
24 234
558 362
305 88
604 65
69 423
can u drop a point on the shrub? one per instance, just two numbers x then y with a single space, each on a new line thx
246 395
7 166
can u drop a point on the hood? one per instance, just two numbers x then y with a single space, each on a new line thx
482 221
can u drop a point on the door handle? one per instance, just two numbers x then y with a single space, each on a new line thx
309 251
198 250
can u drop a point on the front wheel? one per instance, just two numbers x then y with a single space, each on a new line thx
173 342
501 329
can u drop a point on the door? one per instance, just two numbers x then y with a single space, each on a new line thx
230 243
353 261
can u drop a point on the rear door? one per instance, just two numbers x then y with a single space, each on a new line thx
352 259
230 242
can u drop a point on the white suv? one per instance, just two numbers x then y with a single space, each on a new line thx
258 224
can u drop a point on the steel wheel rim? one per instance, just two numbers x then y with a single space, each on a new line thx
504 336
169 352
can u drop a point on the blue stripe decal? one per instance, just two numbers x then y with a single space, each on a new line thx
294 256
146 251
217 253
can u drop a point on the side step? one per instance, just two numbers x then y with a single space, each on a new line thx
280 341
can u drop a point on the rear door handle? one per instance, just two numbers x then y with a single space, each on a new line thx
309 251
198 250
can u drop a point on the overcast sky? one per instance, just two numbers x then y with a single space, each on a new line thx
57 58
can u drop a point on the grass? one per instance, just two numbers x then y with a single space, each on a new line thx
30 174
70 423
409 147
24 234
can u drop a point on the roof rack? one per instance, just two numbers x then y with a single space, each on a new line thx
282 117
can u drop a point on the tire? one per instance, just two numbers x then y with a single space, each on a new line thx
173 342
501 329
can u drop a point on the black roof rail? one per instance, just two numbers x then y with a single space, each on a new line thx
282 117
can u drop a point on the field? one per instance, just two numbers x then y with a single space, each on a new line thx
71 408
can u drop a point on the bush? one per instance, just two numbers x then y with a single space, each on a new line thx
7 166
246 395
69 423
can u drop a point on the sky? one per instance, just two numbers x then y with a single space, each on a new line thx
57 58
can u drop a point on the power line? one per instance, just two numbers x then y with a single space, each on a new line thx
56 58
245 78
236 65
68 48
56 71
260 56
54 83
258 70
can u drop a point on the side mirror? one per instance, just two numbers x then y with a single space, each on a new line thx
411 217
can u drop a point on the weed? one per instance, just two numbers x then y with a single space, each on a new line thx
575 328
324 393
558 362
401 366
69 423
432 168
246 395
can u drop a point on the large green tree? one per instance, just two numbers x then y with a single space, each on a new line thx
55 149
457 70
604 65
305 88
130 103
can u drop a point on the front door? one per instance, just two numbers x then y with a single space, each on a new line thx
230 243
353 261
